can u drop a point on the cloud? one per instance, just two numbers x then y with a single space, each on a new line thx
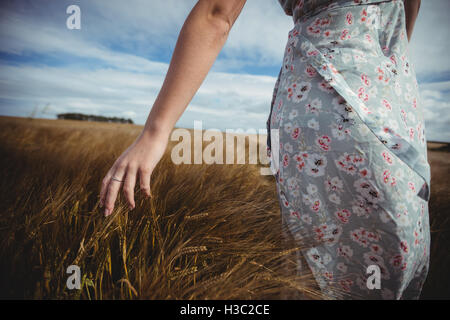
147 29
429 43
435 97
222 99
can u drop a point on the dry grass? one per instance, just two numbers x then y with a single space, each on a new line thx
437 285
209 232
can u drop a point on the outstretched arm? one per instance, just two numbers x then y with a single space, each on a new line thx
411 11
201 38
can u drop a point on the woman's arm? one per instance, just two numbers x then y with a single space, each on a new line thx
411 11
200 40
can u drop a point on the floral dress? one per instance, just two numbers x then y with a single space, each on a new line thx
347 148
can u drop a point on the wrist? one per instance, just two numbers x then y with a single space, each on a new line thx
155 129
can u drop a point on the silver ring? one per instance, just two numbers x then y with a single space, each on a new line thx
115 179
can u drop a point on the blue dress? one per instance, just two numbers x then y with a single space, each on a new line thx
348 150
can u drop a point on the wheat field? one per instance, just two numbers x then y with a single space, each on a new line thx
208 232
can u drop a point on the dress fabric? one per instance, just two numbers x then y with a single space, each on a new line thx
347 147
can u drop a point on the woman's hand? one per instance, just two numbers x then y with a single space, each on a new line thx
139 159
200 40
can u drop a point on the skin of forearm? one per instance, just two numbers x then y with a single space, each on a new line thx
411 11
199 43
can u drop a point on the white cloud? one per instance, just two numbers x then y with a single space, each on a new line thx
429 44
222 99
436 101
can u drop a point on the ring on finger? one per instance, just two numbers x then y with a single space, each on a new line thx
115 179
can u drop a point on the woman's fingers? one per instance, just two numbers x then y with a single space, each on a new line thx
113 188
128 185
136 160
144 179
104 188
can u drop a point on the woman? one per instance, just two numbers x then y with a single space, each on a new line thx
349 156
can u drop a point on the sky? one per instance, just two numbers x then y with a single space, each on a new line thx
115 64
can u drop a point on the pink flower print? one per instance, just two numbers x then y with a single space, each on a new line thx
285 160
393 59
313 29
386 104
365 79
362 94
328 275
343 215
376 248
349 162
388 178
301 160
299 92
361 207
414 103
346 284
368 190
419 132
411 133
364 15
373 236
345 251
387 157
310 71
314 106
284 200
324 142
416 238
334 184
328 233
404 246
356 159
292 35
280 104
291 90
363 172
364 237
333 69
397 261
345 34
324 22
295 133
315 165
325 86
315 206
382 77
403 115
288 61
295 214
316 22
349 18
313 52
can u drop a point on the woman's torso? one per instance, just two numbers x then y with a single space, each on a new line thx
364 44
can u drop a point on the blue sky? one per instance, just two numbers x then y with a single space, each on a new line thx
115 65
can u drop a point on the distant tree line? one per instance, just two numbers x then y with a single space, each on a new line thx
90 117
